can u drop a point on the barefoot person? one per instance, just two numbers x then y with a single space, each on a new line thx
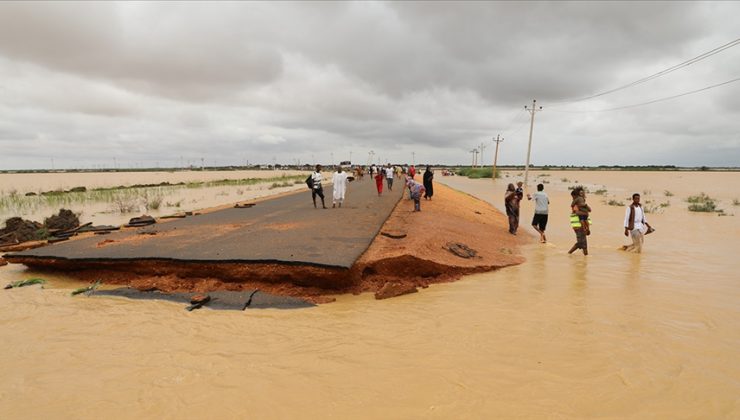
541 204
575 223
340 180
316 188
511 203
635 225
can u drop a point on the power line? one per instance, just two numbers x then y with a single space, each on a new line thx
652 101
671 69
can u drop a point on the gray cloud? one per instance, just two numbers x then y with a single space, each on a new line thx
230 82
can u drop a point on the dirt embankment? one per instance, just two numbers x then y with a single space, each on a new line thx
451 222
454 234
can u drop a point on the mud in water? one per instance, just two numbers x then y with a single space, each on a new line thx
611 335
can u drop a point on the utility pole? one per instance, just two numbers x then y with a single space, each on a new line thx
482 147
532 111
498 140
474 152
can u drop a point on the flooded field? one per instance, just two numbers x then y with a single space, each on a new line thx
113 197
612 335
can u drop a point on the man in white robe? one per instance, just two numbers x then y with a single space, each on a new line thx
635 225
340 186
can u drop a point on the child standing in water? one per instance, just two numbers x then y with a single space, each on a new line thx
581 208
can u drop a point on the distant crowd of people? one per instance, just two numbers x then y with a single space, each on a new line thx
387 173
635 222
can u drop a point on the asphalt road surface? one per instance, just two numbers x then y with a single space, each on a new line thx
285 229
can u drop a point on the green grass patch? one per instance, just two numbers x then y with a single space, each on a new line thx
475 173
703 203
699 199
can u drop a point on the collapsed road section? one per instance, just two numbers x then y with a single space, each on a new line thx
279 240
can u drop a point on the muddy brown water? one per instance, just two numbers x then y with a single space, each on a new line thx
611 335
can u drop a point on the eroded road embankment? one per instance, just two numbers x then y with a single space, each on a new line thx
284 246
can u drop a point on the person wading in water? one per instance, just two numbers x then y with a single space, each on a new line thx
575 223
511 202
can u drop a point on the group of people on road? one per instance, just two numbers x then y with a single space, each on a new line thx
635 223
341 179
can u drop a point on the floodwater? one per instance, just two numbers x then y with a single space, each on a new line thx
612 335
117 207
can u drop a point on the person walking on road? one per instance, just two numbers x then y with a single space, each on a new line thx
541 204
316 188
412 172
428 187
340 181
511 203
389 176
379 181
577 225
635 225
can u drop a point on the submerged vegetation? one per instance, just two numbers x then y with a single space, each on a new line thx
703 203
124 199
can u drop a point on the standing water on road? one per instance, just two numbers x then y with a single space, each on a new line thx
613 334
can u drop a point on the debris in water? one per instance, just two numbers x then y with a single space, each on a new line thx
198 301
23 283
87 290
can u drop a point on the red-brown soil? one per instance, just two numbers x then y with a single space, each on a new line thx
422 258
418 259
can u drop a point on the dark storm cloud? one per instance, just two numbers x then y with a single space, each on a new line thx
230 82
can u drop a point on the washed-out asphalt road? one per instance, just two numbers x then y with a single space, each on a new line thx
285 229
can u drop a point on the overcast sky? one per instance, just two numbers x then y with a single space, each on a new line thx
170 83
